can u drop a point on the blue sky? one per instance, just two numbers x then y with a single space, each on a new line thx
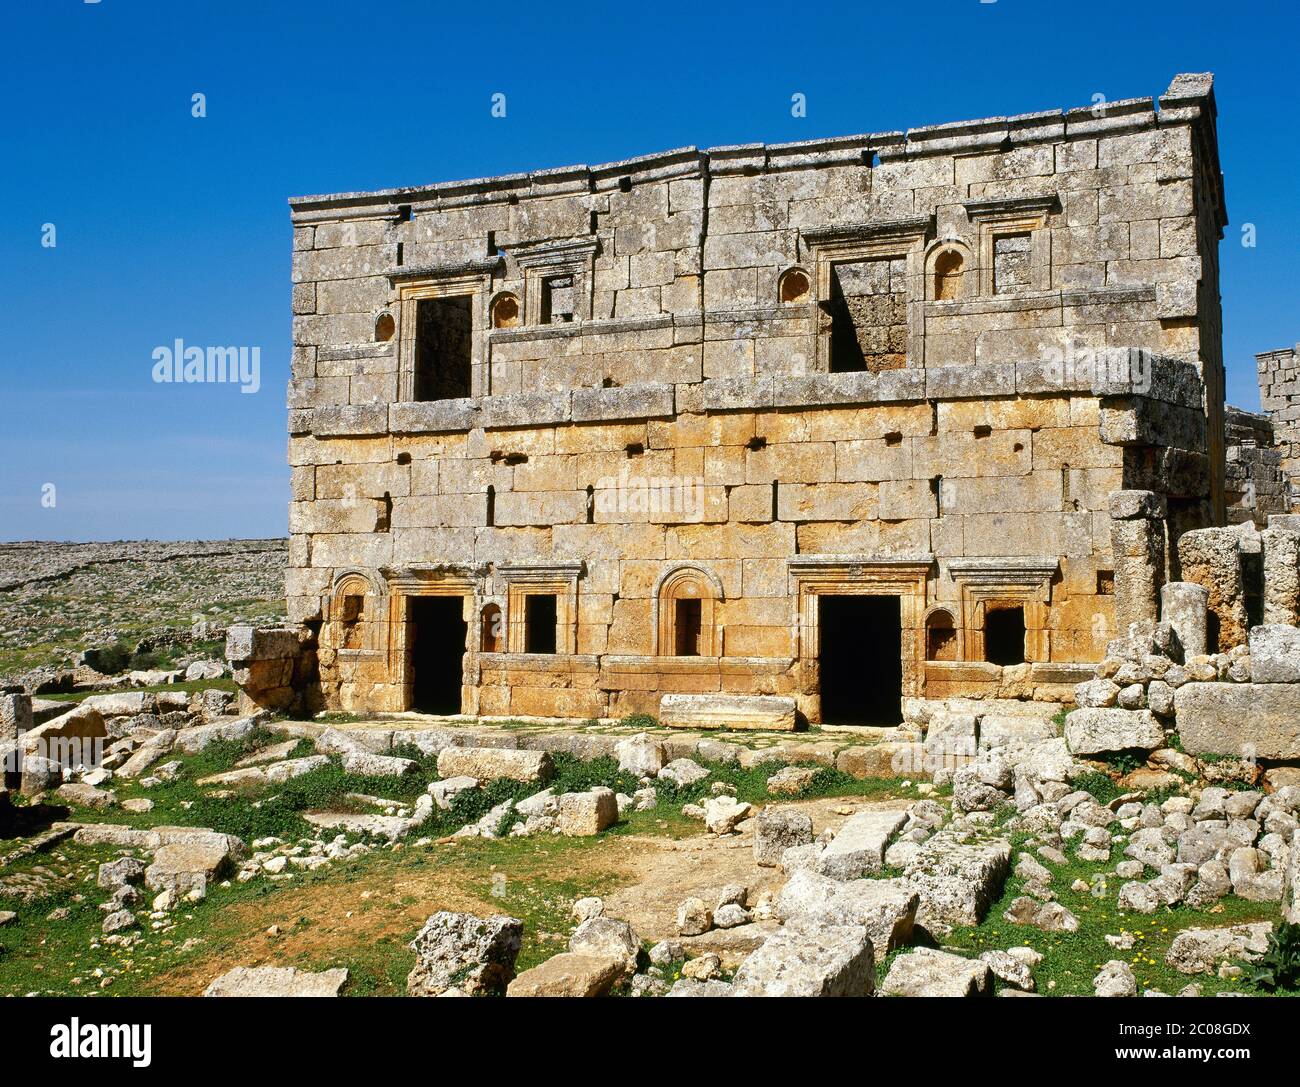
173 226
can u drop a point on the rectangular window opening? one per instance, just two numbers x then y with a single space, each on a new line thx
443 347
540 610
868 308
687 625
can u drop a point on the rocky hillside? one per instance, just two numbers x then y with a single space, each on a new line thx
58 599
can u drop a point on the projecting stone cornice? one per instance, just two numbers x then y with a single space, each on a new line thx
913 226
1012 206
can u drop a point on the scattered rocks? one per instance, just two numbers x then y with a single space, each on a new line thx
777 830
458 950
277 981
927 972
807 958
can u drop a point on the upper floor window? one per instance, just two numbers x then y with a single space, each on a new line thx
1012 263
868 308
443 347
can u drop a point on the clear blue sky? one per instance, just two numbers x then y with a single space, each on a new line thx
170 226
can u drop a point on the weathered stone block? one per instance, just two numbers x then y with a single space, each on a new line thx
721 711
1244 719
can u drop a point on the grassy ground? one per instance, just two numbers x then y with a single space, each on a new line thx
535 879
361 913
1072 959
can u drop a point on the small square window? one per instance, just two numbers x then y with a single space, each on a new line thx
1012 263
540 613
557 299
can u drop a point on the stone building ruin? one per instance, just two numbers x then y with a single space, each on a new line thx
839 421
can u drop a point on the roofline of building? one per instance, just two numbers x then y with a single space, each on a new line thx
1189 99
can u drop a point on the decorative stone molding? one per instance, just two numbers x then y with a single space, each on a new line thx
686 581
1018 581
559 579
814 576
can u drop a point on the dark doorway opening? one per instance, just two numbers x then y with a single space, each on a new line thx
443 348
861 659
687 623
539 623
1004 635
437 637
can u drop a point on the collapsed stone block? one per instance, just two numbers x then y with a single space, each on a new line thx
1210 557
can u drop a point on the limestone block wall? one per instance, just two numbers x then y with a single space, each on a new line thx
1279 395
1255 483
908 364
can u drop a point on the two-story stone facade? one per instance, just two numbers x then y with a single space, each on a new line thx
837 419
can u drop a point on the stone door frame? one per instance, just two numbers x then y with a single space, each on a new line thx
815 576
434 581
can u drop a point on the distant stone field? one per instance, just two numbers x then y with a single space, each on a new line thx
57 599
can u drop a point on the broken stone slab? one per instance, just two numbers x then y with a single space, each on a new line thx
1291 882
1261 720
691 987
446 790
371 765
147 754
186 868
731 945
1202 950
779 829
928 972
337 741
1275 654
791 780
122 703
999 730
607 937
248 775
858 848
807 958
489 763
775 713
277 981
587 813
723 813
458 950
1048 916
885 908
391 827
684 772
641 754
86 795
958 878
190 741
280 772
60 738
1097 731
569 974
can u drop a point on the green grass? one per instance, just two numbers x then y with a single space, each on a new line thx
1072 960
